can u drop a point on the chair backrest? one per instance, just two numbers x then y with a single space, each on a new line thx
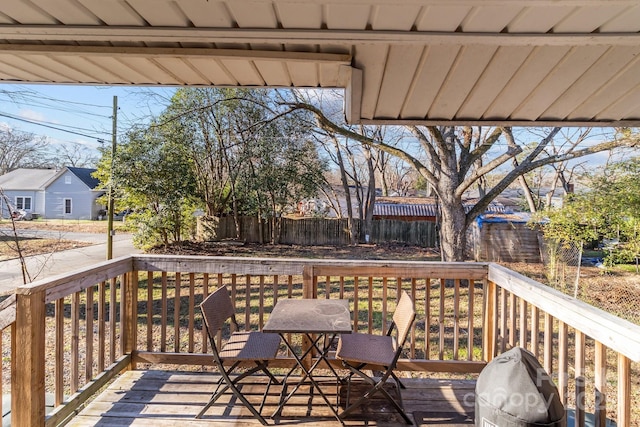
403 317
216 309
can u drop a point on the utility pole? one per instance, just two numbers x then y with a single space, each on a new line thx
110 231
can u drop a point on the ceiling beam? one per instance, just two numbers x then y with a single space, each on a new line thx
502 122
353 94
155 52
21 33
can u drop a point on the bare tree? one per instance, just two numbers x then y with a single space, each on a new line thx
452 168
14 243
20 149
75 155
540 185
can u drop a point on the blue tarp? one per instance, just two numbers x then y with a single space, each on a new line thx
517 218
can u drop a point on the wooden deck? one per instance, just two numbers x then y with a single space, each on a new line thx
169 398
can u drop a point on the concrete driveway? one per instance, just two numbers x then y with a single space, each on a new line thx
42 266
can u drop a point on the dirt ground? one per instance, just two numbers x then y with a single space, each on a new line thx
80 226
615 291
28 247
31 246
371 252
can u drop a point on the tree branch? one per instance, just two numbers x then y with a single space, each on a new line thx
330 126
523 168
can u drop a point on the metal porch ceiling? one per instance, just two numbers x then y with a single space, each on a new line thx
511 62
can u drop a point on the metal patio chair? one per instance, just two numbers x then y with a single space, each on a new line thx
360 351
254 347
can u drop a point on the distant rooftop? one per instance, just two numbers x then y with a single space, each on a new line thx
408 209
26 179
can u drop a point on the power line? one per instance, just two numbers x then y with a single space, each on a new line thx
50 123
30 93
58 108
9 116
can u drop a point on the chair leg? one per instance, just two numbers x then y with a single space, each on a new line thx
377 387
244 400
206 407
231 384
395 403
214 396
266 393
397 380
263 368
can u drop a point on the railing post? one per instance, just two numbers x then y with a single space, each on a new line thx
624 391
308 282
309 290
27 363
600 384
130 310
490 320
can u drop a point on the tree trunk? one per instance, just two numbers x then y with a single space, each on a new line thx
371 197
453 231
347 193
452 214
276 228
526 190
260 228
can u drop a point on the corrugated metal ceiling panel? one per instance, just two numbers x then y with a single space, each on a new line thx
422 61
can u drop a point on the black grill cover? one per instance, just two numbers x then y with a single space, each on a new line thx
513 390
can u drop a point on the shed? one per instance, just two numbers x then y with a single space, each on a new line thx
504 238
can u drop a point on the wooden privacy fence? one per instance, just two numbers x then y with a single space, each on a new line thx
319 231
70 335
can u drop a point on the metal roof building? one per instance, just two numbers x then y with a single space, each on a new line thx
425 211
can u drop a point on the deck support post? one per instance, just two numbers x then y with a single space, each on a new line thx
28 360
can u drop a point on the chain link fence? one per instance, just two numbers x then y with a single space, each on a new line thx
615 293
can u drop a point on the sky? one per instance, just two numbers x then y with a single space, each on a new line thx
83 114
77 114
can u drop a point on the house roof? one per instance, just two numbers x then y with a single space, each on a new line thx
514 62
39 179
84 174
27 179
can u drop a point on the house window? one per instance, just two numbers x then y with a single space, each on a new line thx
67 206
67 179
23 203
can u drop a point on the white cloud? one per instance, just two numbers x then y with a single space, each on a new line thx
33 115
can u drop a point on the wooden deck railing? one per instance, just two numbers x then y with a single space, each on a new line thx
71 334
588 352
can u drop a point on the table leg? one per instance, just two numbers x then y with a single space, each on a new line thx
307 373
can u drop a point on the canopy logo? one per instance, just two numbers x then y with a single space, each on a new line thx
487 423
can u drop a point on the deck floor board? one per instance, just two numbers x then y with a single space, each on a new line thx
166 398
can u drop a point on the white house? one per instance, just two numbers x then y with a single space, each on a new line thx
67 193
